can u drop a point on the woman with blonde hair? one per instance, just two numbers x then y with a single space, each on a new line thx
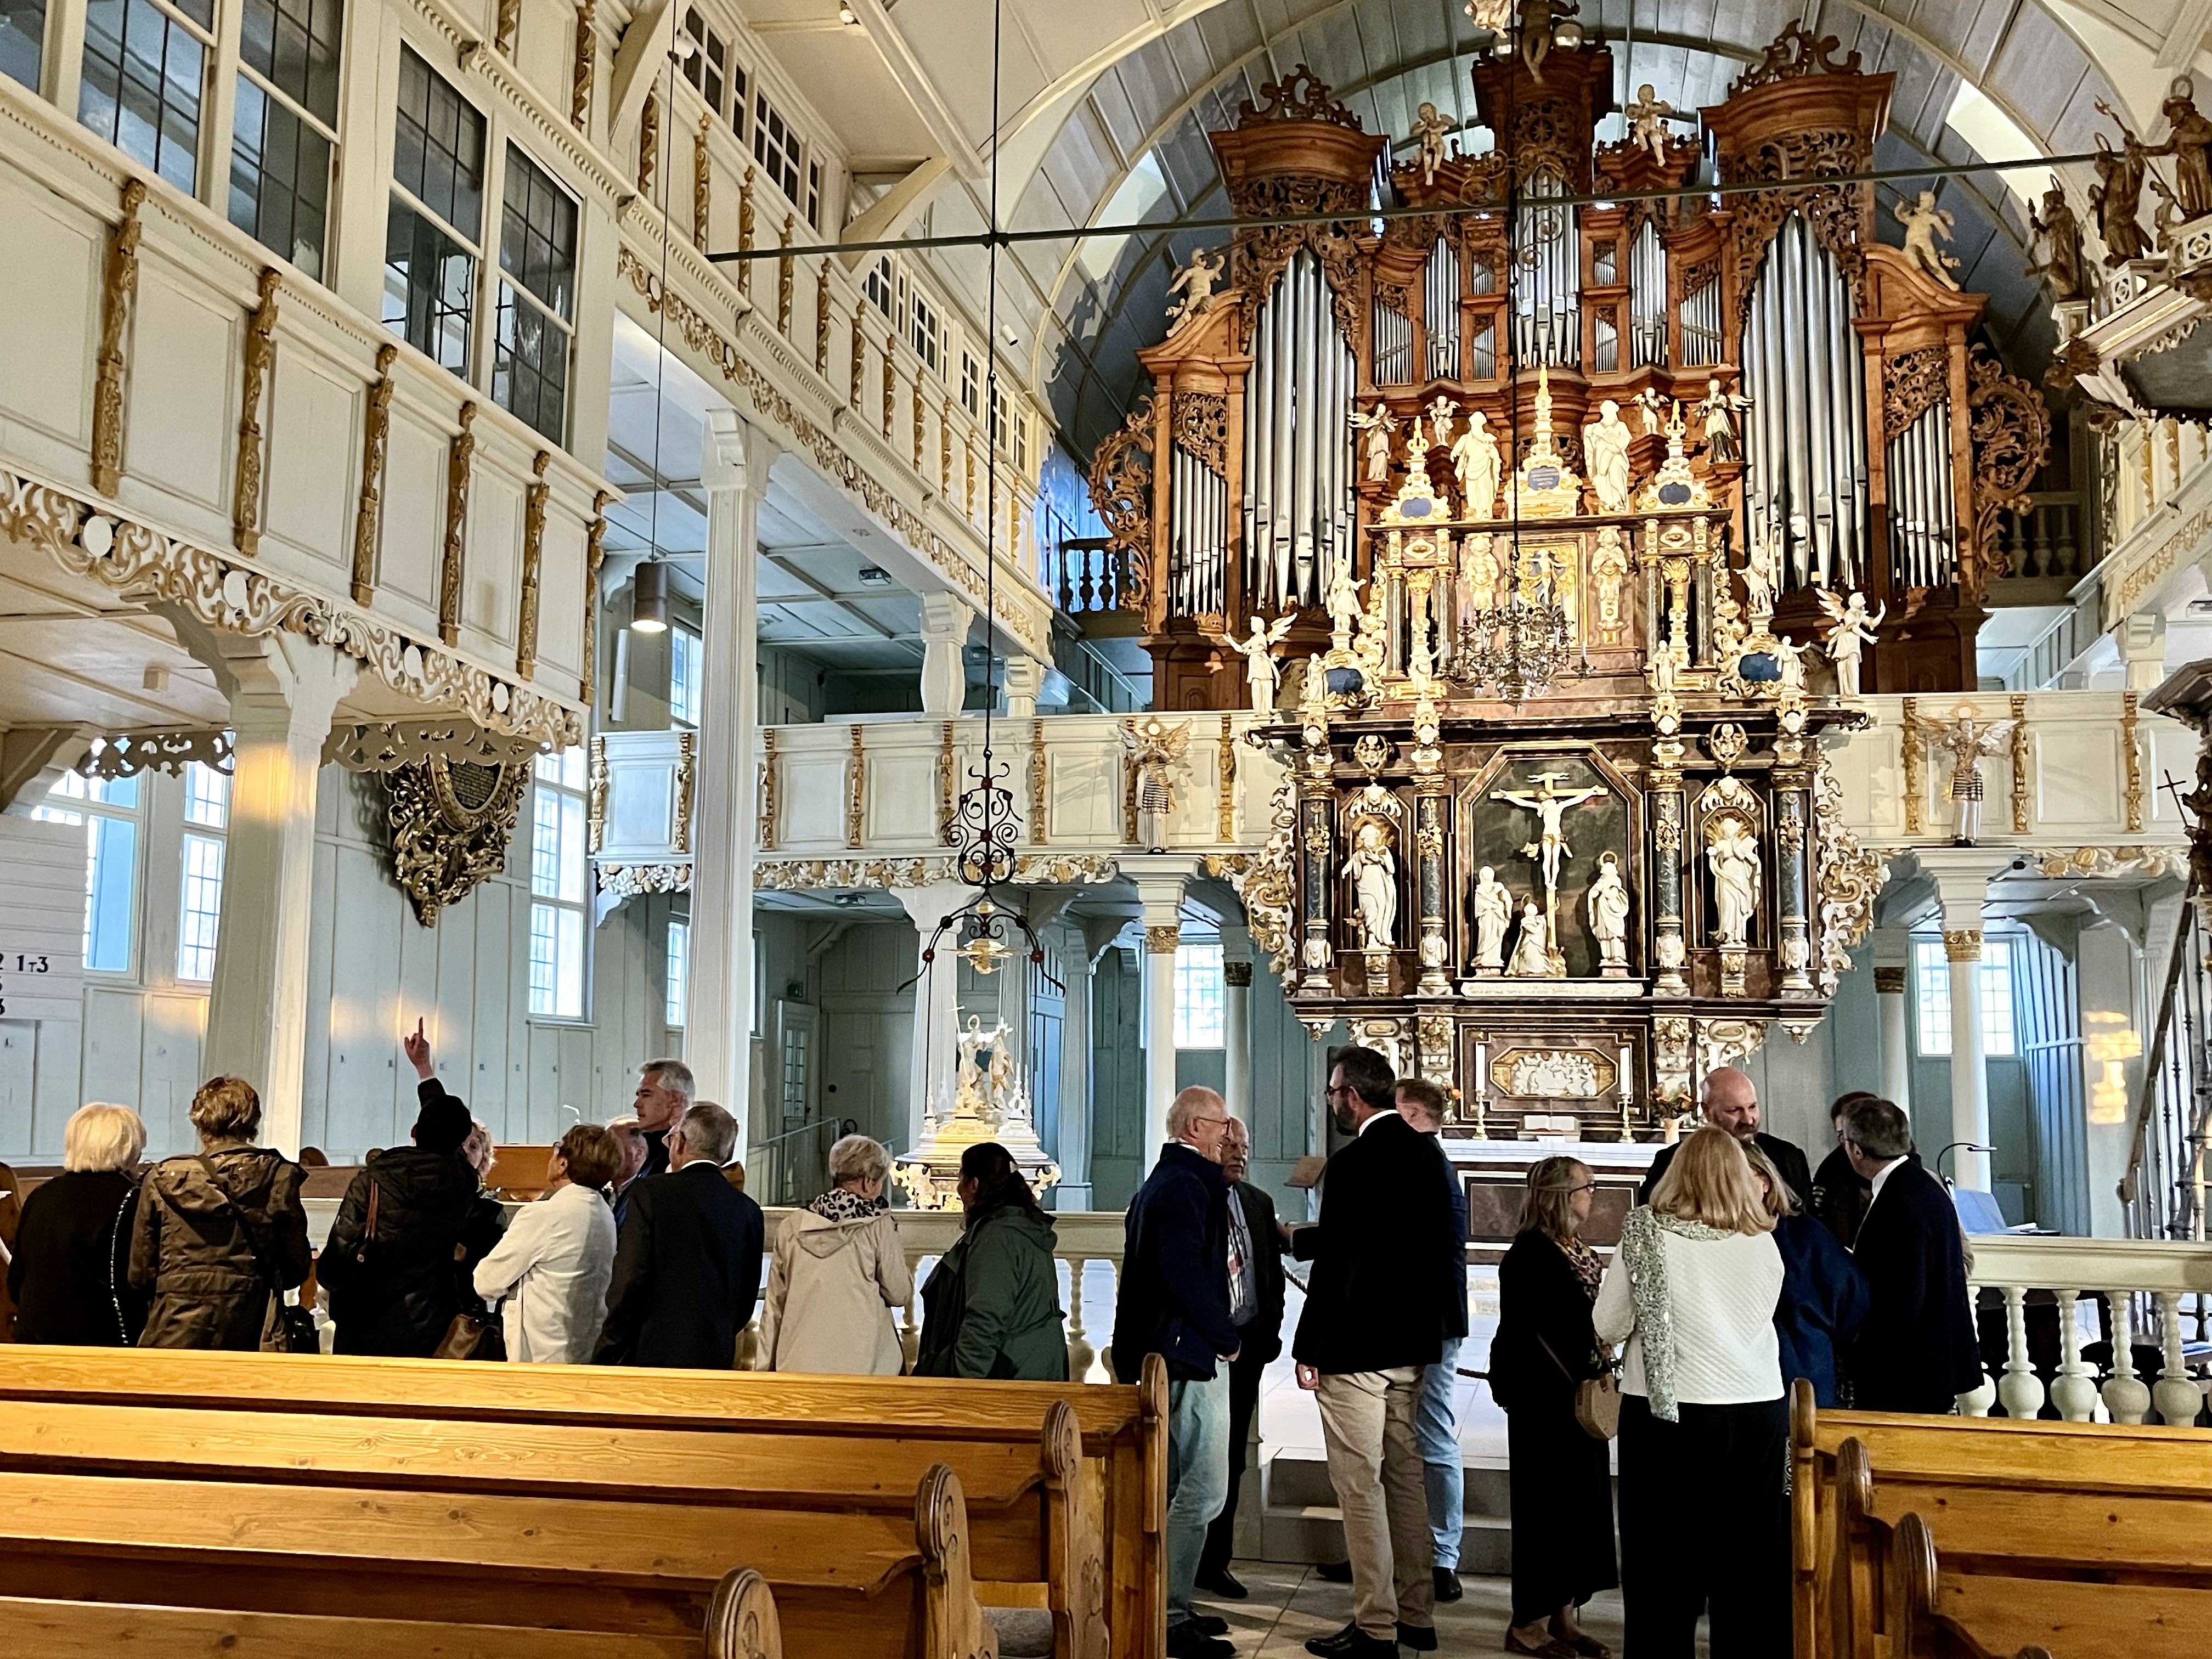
1704 1429
1560 1477
70 1275
837 1273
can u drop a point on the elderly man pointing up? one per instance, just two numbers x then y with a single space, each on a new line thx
1732 1104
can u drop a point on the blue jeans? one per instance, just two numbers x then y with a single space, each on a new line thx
1444 1475
1197 1480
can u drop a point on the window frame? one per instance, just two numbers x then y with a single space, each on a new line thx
473 246
676 989
512 290
212 832
564 781
1994 982
324 129
1198 958
209 38
685 646
79 799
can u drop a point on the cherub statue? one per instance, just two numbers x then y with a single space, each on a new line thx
2189 141
1539 25
1968 740
1719 409
1372 870
1478 465
2117 196
1343 603
1653 407
1923 222
1262 673
1154 746
1478 572
1378 427
1605 454
1647 120
1196 282
1442 412
1429 128
2061 234
1496 15
1850 632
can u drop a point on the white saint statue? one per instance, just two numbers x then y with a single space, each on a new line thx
1262 673
1661 670
1493 913
1609 575
1442 412
1853 630
1478 465
1759 578
1608 901
1479 572
1605 453
1532 956
1372 869
1733 857
1790 657
1379 426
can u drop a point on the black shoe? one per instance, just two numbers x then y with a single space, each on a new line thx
1449 1588
1335 1572
1422 1638
1223 1583
1187 1641
1352 1643
1208 1624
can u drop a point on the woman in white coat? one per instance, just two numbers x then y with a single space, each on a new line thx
552 1265
837 1273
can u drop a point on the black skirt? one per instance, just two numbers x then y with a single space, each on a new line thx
1561 1485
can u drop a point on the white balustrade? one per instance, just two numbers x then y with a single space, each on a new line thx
2130 1277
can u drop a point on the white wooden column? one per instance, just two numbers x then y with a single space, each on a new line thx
1072 1145
283 692
936 1000
1160 881
945 621
1893 984
733 466
1961 887
1237 1018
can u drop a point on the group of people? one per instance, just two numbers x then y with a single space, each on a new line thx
1737 1272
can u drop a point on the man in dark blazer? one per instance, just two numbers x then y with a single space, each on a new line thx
1178 1299
1260 1333
1373 1323
687 1259
1422 1104
1732 1104
1916 1351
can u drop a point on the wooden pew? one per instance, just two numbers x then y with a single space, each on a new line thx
853 1444
1919 1627
2043 1508
741 1623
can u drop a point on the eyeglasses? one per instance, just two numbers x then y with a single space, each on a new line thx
1587 1187
1332 1091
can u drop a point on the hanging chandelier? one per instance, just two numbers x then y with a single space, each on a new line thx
1515 648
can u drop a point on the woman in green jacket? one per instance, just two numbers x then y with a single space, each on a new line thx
991 1307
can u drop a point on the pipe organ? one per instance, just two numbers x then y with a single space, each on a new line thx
1547 509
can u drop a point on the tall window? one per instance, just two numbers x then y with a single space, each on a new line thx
1931 978
679 974
878 285
775 147
971 385
814 194
685 657
22 41
207 815
924 330
436 228
287 126
537 297
108 808
558 862
1200 995
713 70
145 73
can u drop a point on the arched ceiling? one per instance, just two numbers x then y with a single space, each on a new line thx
1106 105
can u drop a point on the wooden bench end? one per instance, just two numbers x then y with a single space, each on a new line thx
741 1622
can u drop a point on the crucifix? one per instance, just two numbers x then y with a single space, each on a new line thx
1548 802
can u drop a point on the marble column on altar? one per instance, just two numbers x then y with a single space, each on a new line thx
1237 1018
1893 981
1316 818
1663 789
936 1002
1432 813
1160 881
1793 798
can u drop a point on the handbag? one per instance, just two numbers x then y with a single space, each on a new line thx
1597 1399
295 1330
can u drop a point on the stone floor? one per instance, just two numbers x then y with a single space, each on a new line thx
1289 1603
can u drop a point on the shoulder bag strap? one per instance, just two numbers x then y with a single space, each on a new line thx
245 1227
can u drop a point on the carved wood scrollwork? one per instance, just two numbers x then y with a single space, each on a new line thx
451 822
118 293
1835 214
2010 429
1200 421
1911 383
1258 257
1121 490
1300 95
1796 52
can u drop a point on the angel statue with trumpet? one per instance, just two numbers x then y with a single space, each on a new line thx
1850 632
1969 740
1262 673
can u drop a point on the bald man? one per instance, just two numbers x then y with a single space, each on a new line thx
1732 1104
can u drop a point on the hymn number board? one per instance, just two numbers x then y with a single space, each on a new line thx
42 869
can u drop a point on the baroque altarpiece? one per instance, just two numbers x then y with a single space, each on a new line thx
1571 531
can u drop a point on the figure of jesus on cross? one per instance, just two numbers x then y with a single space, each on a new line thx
1548 803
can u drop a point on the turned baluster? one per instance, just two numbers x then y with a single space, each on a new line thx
2020 1390
2125 1394
910 1326
1080 1350
2074 1391
2174 1395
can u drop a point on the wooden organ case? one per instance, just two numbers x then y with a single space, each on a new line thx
1549 504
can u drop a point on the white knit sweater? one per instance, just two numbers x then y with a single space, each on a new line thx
1722 1292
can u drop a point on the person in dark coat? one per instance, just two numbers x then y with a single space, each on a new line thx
1373 1321
1560 1477
688 1260
1260 1340
1840 1194
395 1285
1916 1351
992 1305
1732 1104
70 1275
1824 1296
221 1235
1180 1298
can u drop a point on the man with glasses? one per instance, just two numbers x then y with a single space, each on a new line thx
1421 1103
1373 1323
1181 1287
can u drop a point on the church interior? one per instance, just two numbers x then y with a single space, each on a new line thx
965 567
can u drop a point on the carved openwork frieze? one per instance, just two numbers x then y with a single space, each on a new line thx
1201 427
451 822
1039 869
388 746
126 754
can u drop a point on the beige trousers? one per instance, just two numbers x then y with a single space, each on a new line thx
1367 1423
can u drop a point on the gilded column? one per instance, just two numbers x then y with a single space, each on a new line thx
458 460
822 320
1793 786
1316 807
1664 790
533 556
595 548
119 296
745 229
368 510
783 280
702 182
1431 816
586 65
260 357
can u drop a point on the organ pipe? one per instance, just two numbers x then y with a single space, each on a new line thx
1547 289
1647 304
1297 504
1440 308
1922 503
